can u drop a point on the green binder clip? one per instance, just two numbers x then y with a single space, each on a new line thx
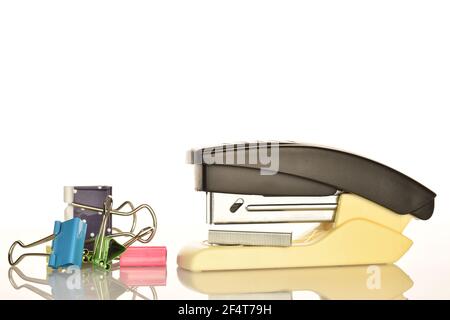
106 248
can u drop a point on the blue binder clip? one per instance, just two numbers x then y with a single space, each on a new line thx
67 245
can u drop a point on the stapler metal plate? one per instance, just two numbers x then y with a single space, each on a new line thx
250 238
225 208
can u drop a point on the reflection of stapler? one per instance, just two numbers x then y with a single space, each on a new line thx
362 207
386 282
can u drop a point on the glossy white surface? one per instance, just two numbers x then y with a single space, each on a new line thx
109 92
426 265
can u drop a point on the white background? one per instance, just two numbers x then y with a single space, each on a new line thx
115 92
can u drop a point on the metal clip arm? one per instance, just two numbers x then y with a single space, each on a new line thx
20 243
132 212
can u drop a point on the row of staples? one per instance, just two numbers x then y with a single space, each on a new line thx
87 235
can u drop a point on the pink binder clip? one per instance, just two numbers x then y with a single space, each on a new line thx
144 257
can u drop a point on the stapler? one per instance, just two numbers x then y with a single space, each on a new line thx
361 207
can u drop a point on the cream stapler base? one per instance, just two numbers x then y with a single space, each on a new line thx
362 233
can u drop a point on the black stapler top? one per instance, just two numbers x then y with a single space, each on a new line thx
307 170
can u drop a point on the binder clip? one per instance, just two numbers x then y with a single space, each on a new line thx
87 203
67 245
79 198
106 248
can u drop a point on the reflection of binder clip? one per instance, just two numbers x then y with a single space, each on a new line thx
106 249
28 284
85 284
67 245
362 207
377 282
